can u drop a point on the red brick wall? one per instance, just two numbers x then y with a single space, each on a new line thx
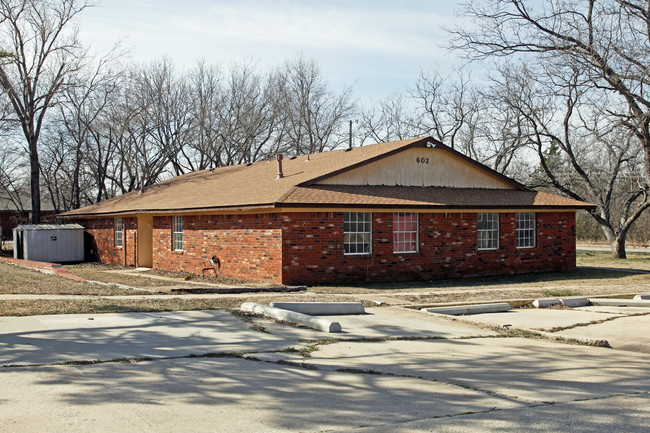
10 219
103 249
313 250
248 246
307 248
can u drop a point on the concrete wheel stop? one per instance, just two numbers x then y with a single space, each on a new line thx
613 302
322 308
567 302
458 310
543 303
575 302
292 316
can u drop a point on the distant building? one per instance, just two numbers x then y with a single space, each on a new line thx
404 210
12 214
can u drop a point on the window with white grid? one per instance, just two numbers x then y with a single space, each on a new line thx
405 232
357 231
177 233
525 229
119 232
487 226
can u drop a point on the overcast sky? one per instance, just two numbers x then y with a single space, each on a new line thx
376 46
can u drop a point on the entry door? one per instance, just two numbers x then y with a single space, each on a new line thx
145 241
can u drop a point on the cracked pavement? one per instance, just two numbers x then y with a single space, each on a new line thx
392 370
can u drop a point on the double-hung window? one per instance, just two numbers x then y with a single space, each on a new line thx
487 226
119 232
357 232
177 233
405 232
525 230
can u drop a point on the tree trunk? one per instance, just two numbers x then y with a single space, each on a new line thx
618 246
35 181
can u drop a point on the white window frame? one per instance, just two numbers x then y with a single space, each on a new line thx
526 232
357 233
487 230
118 232
399 227
177 233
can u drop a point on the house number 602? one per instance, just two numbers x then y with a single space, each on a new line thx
422 160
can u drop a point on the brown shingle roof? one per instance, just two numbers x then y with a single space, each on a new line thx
427 197
255 185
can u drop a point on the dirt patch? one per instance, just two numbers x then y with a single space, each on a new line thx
154 279
581 282
100 272
147 304
186 276
639 261
501 294
18 280
577 280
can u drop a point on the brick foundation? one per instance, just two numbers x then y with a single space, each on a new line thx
307 248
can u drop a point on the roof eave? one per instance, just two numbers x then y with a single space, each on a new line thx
431 206
170 211
280 206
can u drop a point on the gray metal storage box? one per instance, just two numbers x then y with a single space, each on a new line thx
49 242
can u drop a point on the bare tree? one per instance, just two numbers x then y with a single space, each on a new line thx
447 109
607 43
150 124
316 115
41 51
77 135
391 119
12 178
205 147
115 128
580 151
249 117
169 109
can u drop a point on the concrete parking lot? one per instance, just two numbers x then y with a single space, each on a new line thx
391 370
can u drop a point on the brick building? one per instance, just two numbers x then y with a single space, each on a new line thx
404 210
15 210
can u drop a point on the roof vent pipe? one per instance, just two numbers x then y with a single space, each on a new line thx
280 174
350 143
142 185
307 160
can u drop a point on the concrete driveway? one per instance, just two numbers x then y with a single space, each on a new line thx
393 370
623 328
90 337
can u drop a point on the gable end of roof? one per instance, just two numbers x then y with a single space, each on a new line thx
423 142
